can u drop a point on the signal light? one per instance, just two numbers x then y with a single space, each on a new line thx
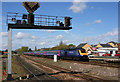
24 22
61 24
58 22
67 21
18 22
24 16
13 19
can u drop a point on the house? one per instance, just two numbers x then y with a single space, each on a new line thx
0 52
103 46
93 47
5 53
85 46
111 51
113 44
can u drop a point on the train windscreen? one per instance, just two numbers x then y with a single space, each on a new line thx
83 51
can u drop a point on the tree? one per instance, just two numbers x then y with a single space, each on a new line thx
61 46
18 50
6 50
71 46
35 48
24 49
29 50
61 43
39 50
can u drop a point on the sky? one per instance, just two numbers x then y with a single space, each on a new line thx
92 22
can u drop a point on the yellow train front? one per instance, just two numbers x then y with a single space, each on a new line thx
75 54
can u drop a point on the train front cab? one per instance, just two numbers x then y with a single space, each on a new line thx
83 55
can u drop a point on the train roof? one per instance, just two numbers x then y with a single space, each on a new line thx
58 50
74 48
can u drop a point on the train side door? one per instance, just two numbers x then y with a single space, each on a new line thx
77 52
65 53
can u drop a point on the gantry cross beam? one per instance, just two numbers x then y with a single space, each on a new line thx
28 26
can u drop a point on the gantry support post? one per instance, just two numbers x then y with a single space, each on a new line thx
9 54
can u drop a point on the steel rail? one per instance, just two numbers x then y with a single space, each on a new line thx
52 77
97 63
64 70
28 69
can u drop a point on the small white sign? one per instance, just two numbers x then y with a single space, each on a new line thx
55 58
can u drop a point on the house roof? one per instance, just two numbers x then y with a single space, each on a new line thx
105 45
81 45
112 42
93 45
5 52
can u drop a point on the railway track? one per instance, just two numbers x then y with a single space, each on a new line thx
97 63
116 65
35 73
82 75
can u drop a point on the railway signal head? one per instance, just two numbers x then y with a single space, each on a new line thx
67 21
13 19
61 24
18 22
24 16
58 22
24 22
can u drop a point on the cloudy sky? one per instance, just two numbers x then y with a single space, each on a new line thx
92 22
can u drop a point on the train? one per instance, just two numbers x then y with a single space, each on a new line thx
74 54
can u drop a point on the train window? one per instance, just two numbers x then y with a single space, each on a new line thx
116 52
65 53
111 52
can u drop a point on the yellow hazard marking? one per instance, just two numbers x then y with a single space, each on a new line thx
82 53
